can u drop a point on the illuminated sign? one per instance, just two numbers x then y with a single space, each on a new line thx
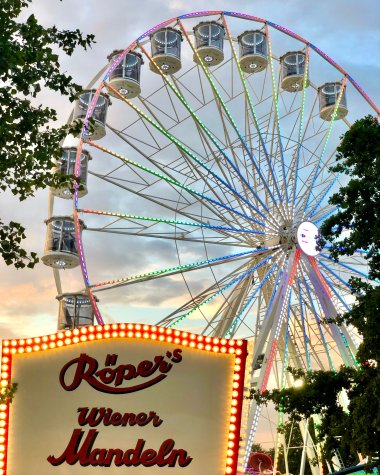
143 398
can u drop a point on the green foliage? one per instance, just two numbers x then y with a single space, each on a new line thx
8 393
28 143
11 236
356 429
294 442
358 201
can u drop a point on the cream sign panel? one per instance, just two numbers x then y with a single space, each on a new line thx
123 398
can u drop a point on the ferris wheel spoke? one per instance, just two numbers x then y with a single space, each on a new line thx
316 172
174 222
276 110
222 289
229 145
252 109
176 183
336 276
323 196
195 169
164 170
339 297
303 320
198 299
332 121
170 271
236 322
189 153
231 120
342 264
332 210
160 202
344 342
300 130
312 307
230 315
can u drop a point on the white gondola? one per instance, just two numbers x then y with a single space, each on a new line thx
66 168
61 250
75 311
328 95
209 38
166 50
293 71
125 78
253 51
99 115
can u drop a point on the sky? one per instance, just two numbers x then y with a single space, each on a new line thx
347 30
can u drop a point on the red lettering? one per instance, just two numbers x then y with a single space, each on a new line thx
109 379
85 455
95 416
71 455
93 419
177 356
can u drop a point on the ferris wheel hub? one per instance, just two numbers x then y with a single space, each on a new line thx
287 234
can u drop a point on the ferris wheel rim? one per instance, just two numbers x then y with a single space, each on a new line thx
117 61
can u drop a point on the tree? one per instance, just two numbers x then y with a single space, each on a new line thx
358 209
294 442
28 144
7 393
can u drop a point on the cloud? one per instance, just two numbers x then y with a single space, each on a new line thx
347 33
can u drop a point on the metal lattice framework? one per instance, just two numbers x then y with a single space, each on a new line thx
210 172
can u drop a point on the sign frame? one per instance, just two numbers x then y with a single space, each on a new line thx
127 331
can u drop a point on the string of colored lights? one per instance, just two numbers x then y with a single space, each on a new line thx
174 182
305 336
326 215
316 418
78 227
186 150
328 135
284 292
337 276
233 123
181 267
300 131
326 286
323 196
238 317
319 323
276 111
280 418
332 287
205 129
169 221
342 264
251 107
361 251
224 288
344 328
275 289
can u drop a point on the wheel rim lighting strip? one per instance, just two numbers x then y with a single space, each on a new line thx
113 66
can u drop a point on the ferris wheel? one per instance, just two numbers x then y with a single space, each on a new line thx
211 140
